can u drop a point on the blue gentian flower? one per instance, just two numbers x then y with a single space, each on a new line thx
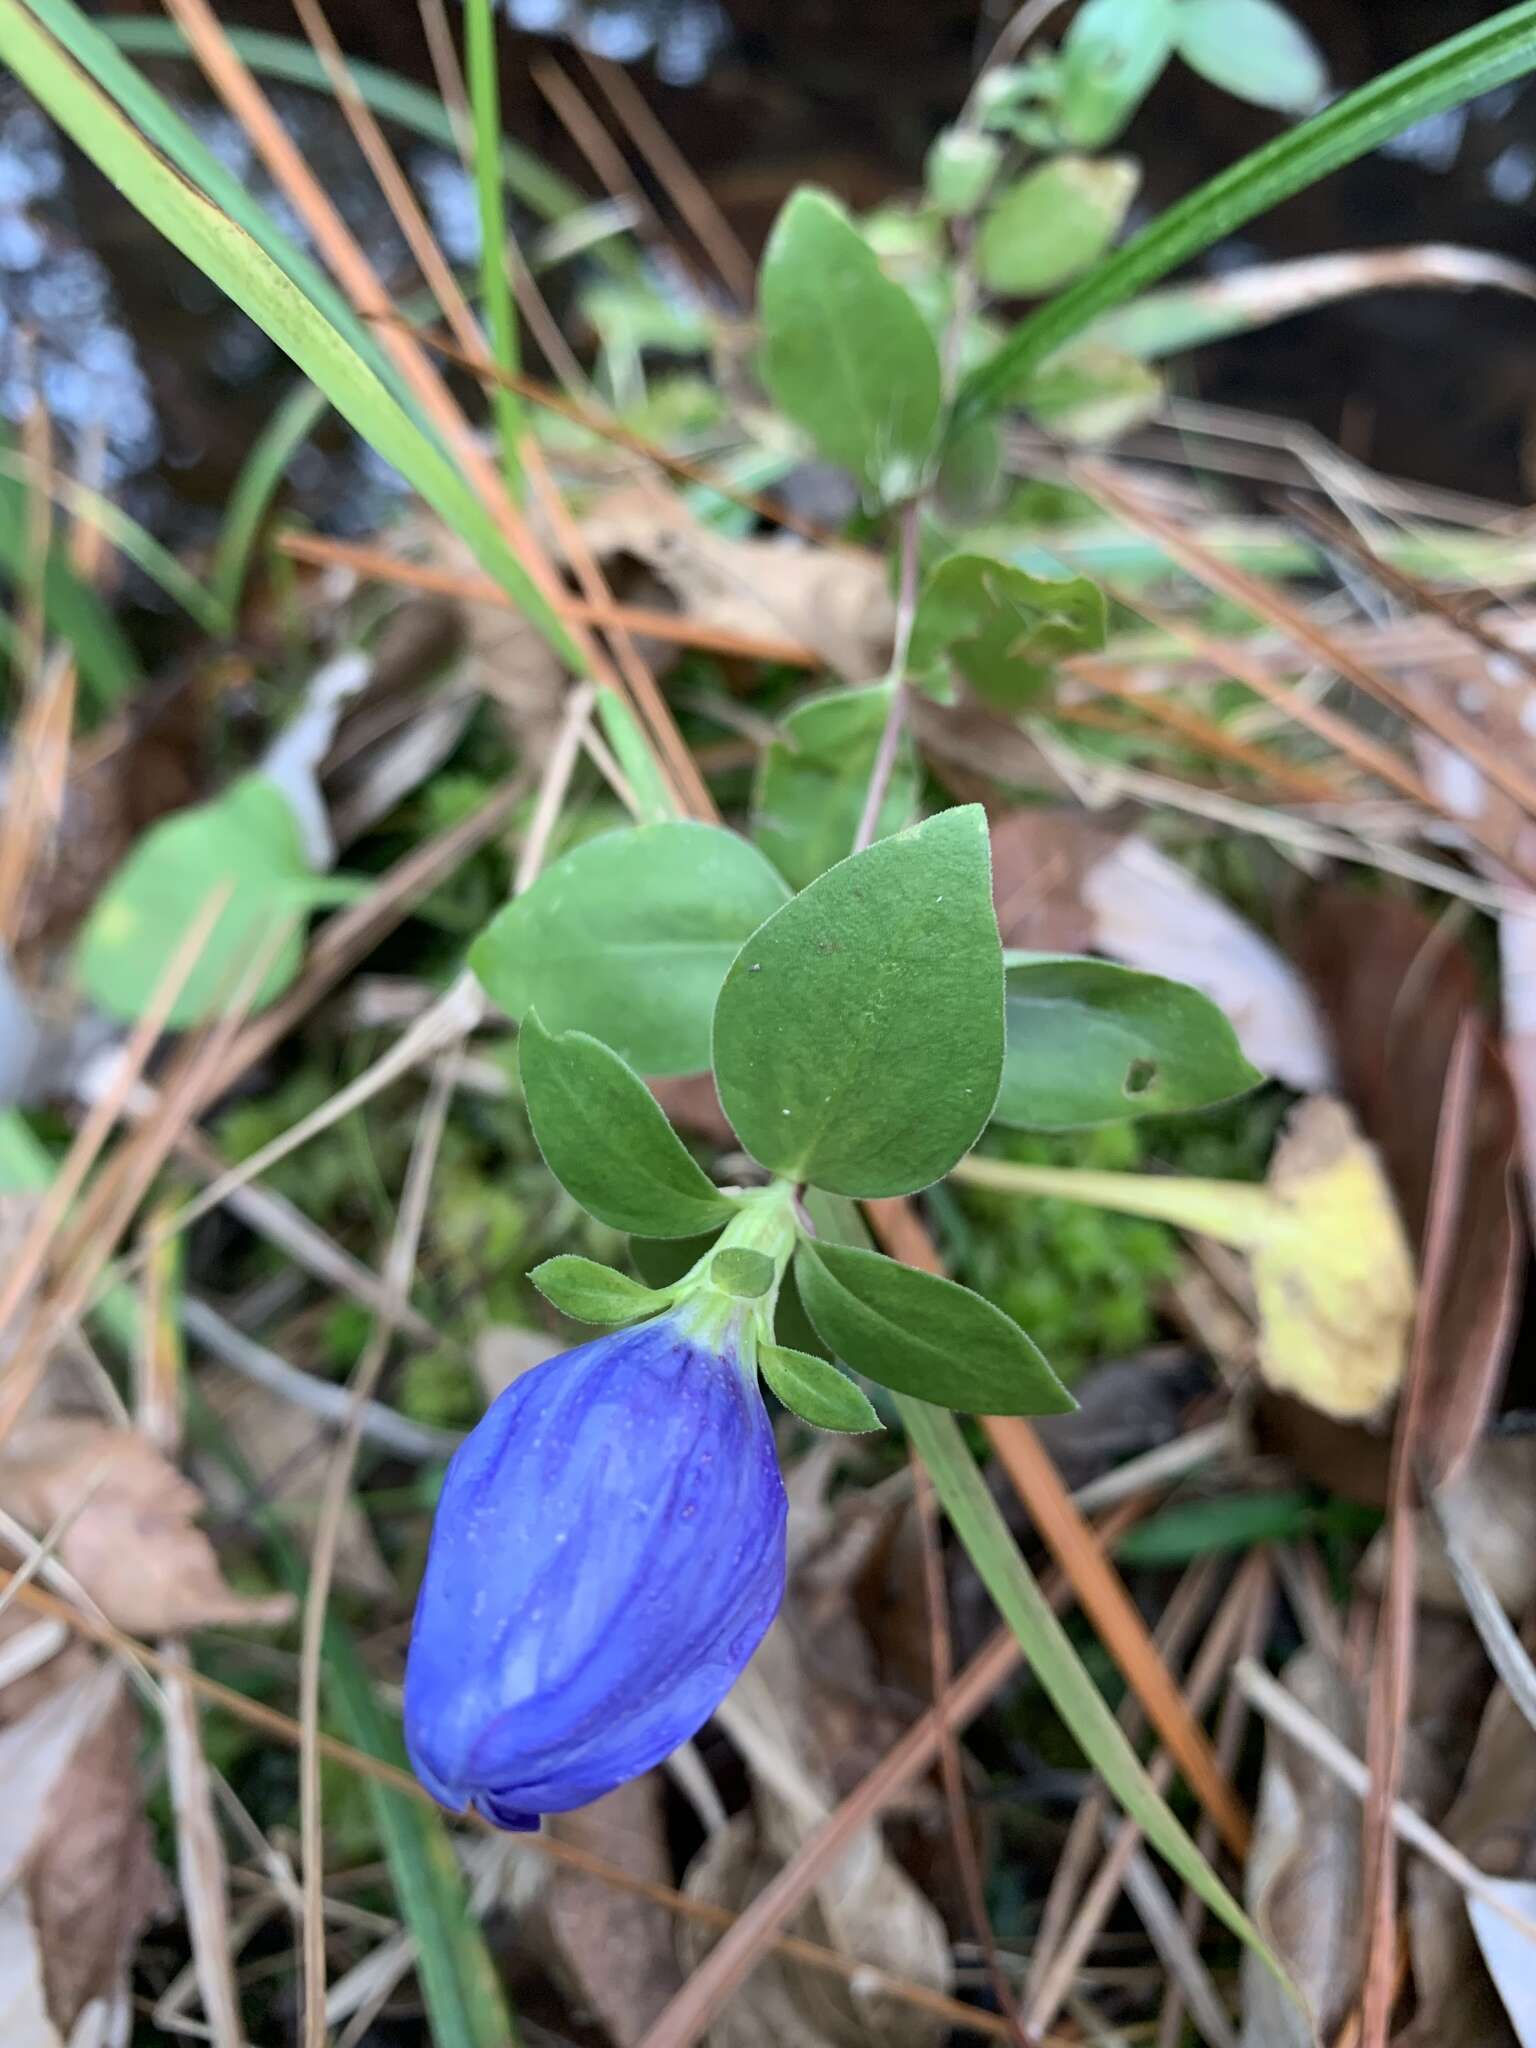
607 1554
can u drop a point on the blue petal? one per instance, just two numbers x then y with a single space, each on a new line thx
607 1554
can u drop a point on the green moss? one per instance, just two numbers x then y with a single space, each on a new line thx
1082 1282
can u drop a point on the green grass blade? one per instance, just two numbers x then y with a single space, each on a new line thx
133 541
157 120
391 97
980 1526
291 424
233 261
72 610
1490 54
978 1522
495 287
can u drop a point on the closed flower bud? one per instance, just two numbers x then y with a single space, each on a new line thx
607 1553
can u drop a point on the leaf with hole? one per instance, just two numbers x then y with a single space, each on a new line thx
846 354
1253 49
924 1335
593 1293
859 1034
816 1391
1003 628
244 850
1111 58
1091 1042
813 776
606 1141
1053 223
628 937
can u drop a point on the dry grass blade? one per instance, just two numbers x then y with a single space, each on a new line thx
601 152
1334 533
1266 602
1391 1676
399 1268
605 428
683 186
200 1858
1308 1733
52 1210
674 758
234 83
975 1684
1177 1624
1233 1619
941 1657
1310 785
672 626
1099 1587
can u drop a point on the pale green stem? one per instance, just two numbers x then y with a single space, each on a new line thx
1230 1211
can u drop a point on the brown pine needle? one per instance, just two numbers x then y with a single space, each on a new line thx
683 185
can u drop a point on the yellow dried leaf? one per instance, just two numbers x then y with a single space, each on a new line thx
1332 1271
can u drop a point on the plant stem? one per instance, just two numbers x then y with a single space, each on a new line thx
896 716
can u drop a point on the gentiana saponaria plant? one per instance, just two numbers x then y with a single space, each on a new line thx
609 1546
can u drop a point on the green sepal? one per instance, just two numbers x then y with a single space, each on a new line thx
816 1391
592 1293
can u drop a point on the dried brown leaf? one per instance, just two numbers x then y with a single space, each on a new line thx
78 1877
617 1949
131 1540
1304 1872
1395 986
834 601
1491 1506
1492 1821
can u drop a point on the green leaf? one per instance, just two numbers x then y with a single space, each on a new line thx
816 1391
1003 628
1091 393
1091 1042
1055 1663
246 843
606 1141
924 1335
1110 60
859 1034
1053 223
593 1293
846 354
1254 49
743 1272
1493 51
629 937
812 779
959 169
262 471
